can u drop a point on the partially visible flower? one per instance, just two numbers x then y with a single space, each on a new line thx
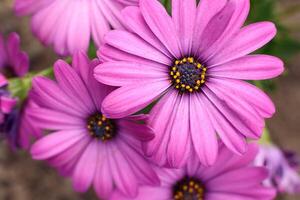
15 124
193 65
69 25
85 145
231 178
11 57
282 166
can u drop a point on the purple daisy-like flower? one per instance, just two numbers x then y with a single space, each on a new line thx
69 25
85 145
231 178
193 64
282 168
15 124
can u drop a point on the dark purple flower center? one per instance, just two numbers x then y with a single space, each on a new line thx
187 75
188 188
100 127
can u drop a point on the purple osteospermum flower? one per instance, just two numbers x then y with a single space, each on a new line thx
231 178
192 63
282 168
87 146
69 25
15 125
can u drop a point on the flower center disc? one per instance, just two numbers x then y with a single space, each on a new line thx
188 189
188 75
100 127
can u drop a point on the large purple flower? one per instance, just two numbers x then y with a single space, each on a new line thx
193 63
69 25
283 168
231 178
92 149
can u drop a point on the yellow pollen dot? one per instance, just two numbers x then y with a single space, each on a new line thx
191 190
172 73
177 87
199 65
177 74
191 59
204 69
182 85
103 118
198 82
177 80
174 76
187 87
174 68
192 183
177 62
202 81
107 128
196 88
203 76
185 187
190 90
100 123
184 60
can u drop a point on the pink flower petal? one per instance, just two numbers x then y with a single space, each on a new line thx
232 138
55 143
206 10
239 113
46 93
50 119
161 112
204 137
247 40
103 181
253 67
123 175
7 104
135 22
128 73
179 144
161 25
253 95
184 14
86 168
132 44
130 99
70 82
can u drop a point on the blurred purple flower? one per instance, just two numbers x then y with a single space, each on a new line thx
193 64
70 25
282 168
14 121
92 149
11 57
231 178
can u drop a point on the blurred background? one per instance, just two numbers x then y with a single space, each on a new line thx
24 179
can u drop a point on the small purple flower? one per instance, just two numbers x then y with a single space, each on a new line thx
15 124
231 178
85 145
192 64
282 168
